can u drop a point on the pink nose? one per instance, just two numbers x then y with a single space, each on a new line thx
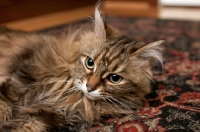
90 87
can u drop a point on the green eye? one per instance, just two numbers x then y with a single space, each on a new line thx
114 78
89 63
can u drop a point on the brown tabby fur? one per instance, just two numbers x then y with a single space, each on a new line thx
40 77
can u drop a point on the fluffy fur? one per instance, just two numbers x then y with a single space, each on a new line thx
47 82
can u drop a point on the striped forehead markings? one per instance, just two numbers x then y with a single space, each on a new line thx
111 52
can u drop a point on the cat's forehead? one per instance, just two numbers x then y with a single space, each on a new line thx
114 54
119 48
113 50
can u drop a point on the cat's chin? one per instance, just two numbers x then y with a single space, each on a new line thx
93 95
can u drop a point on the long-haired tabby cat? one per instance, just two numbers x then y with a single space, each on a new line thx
47 82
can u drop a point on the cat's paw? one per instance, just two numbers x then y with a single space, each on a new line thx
5 111
23 125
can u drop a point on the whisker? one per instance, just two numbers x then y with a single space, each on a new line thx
110 100
79 92
121 103
138 106
104 99
71 90
66 93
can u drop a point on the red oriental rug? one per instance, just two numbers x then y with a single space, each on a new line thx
175 105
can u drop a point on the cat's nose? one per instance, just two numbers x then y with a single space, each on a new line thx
90 87
93 82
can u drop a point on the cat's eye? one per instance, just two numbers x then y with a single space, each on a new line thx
114 78
89 63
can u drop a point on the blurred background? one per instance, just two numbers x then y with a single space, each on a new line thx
33 15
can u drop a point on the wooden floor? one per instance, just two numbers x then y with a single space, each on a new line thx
54 19
51 20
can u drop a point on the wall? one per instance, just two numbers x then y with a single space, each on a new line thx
180 2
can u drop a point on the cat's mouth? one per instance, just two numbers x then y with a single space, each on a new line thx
93 95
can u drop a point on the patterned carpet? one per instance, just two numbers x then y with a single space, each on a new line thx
176 108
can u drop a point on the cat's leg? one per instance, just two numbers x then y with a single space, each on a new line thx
5 110
9 93
34 120
25 124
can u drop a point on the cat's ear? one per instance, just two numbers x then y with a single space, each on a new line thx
99 28
151 52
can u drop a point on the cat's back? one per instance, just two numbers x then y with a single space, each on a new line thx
22 51
15 48
15 42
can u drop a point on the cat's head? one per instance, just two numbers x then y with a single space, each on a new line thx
114 68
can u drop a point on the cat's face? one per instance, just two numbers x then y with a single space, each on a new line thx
113 67
104 69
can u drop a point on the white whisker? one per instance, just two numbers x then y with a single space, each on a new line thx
130 102
104 99
71 90
110 100
121 103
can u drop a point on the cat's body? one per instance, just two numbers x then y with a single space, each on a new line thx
47 82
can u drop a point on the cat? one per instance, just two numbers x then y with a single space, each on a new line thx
47 82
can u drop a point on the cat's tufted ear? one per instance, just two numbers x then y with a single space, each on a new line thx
99 28
152 52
